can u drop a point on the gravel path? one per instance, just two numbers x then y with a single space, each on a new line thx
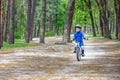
57 62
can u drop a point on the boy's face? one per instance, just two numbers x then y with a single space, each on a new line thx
78 29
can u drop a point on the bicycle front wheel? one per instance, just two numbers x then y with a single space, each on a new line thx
78 54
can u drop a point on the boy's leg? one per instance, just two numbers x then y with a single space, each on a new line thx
82 47
75 47
83 53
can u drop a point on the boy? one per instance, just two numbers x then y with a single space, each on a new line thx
78 37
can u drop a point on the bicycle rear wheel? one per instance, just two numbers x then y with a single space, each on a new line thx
78 54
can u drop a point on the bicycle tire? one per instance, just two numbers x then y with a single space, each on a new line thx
78 54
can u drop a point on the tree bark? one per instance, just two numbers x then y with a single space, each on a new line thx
68 24
50 23
56 17
91 16
101 23
32 18
34 34
116 24
1 22
105 14
19 17
6 21
118 19
28 26
84 29
38 30
11 28
42 28
102 4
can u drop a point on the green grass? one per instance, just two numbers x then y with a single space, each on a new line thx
101 37
49 34
19 43
91 36
117 41
60 43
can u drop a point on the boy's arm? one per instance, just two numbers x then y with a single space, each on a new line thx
74 37
84 37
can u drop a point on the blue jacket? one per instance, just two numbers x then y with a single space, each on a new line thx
79 36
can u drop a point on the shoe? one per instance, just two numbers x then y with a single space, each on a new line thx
74 51
83 55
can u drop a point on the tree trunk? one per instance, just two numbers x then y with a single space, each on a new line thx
6 20
34 35
68 24
28 26
84 29
105 19
1 22
19 17
97 29
42 28
105 15
56 17
101 23
119 20
116 24
100 18
32 18
38 31
11 28
50 23
91 16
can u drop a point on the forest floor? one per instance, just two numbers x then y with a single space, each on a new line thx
51 61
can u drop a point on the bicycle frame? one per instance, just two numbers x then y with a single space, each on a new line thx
78 44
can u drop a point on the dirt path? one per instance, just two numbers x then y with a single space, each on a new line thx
57 62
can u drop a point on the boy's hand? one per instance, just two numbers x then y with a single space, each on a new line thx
85 38
73 39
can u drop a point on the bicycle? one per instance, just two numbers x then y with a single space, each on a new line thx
79 50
